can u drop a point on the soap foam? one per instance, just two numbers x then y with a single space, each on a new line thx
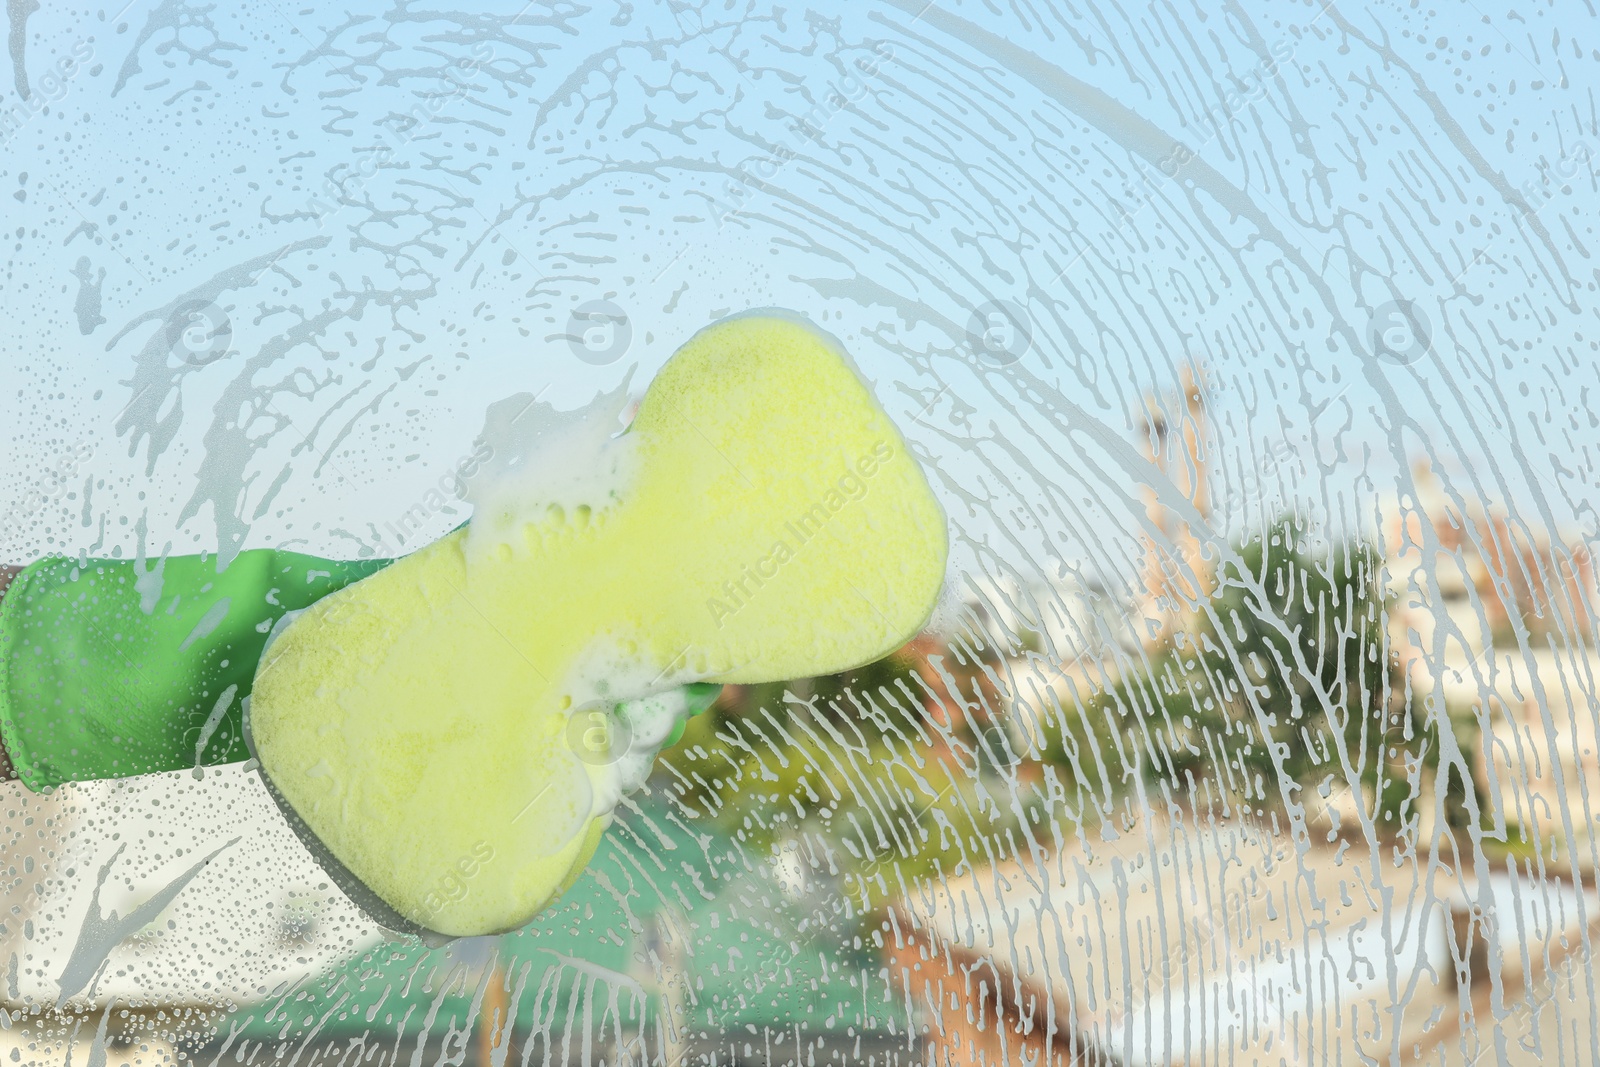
542 459
642 703
636 732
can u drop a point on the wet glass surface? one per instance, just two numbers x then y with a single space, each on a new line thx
1249 349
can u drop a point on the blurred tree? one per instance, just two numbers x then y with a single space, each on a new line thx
1283 684
887 769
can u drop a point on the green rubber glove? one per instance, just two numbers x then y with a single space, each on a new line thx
700 695
112 668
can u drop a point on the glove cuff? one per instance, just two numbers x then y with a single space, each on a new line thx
12 712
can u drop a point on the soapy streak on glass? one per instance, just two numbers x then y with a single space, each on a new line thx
979 164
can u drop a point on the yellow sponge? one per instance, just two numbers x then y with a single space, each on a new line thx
761 520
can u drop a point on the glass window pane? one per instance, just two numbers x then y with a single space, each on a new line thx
1124 466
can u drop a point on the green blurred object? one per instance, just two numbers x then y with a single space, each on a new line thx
111 668
700 695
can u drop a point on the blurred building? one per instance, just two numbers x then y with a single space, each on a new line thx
1184 944
145 909
1175 436
1493 621
1187 939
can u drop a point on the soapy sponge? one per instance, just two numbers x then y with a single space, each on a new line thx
761 520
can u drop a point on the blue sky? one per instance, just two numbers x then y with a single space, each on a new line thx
330 239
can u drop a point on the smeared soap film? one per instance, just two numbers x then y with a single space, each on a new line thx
1251 352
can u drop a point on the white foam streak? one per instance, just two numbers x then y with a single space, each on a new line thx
542 458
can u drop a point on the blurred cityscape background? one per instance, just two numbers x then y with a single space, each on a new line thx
1341 786
1250 350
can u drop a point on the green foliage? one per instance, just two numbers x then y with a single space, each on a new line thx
1283 685
855 766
